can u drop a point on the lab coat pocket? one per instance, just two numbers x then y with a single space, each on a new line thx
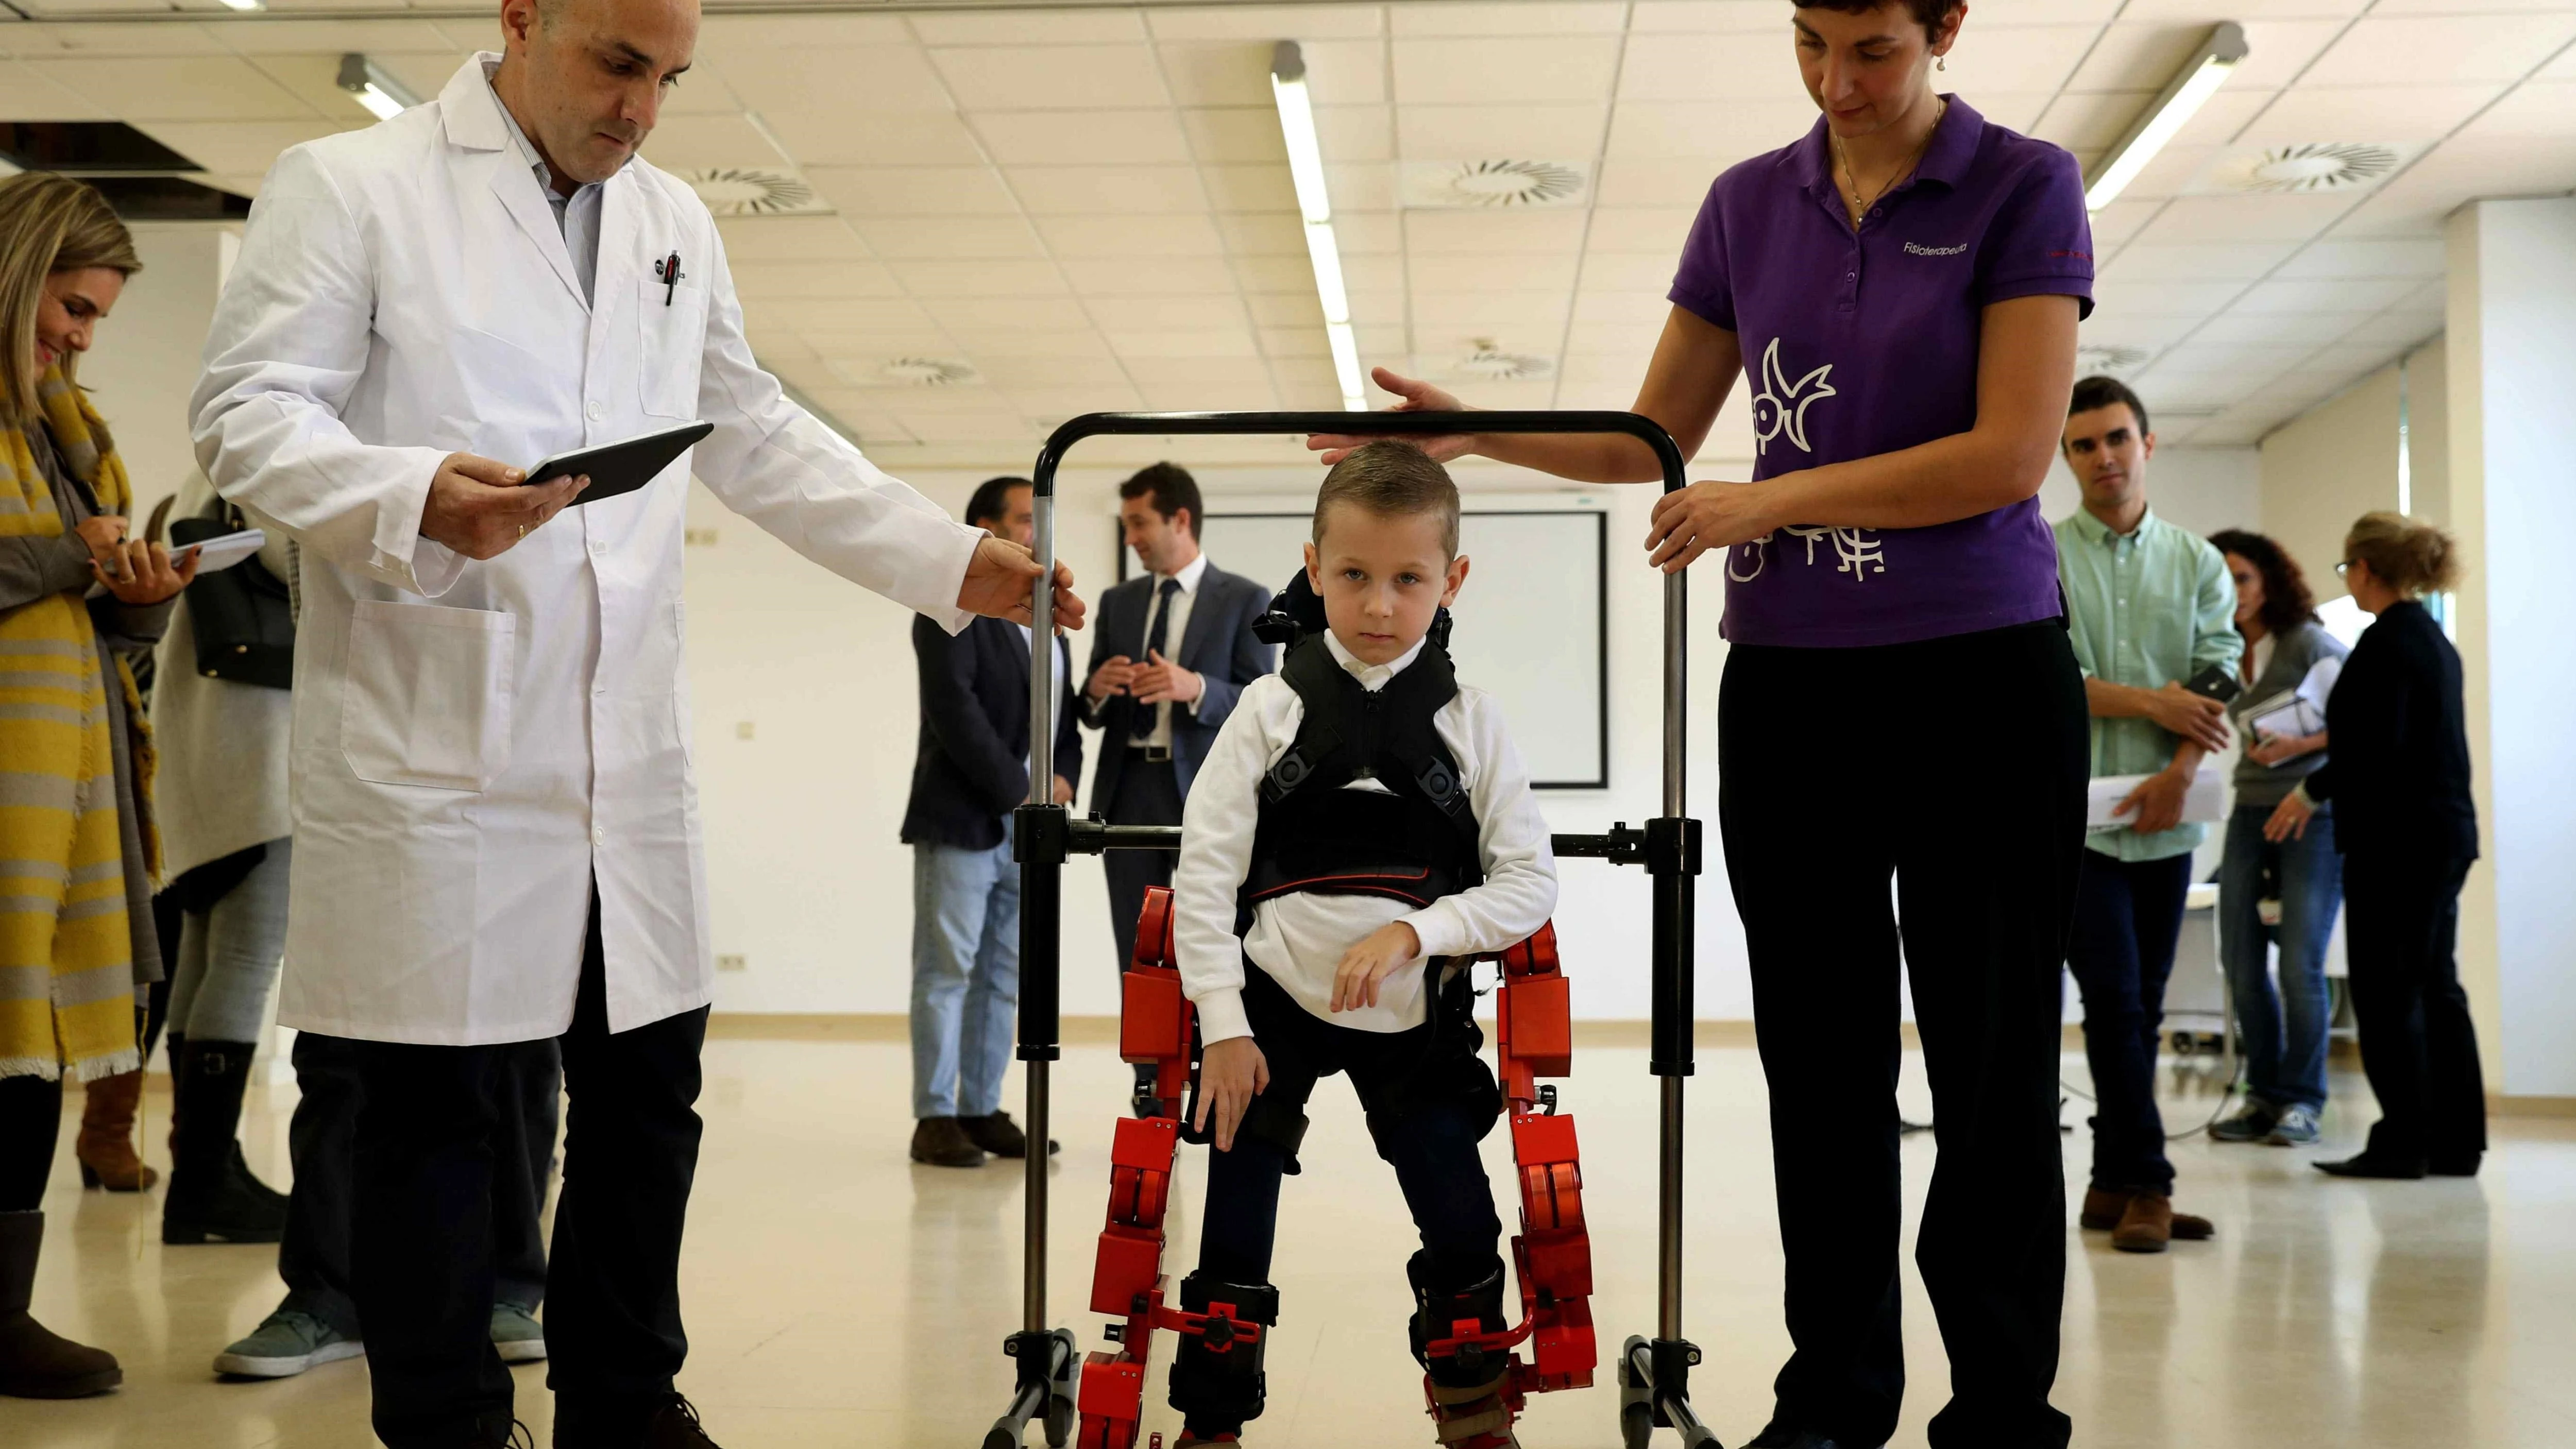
671 324
428 695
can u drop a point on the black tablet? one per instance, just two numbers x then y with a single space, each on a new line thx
618 468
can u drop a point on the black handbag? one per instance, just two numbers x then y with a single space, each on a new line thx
241 616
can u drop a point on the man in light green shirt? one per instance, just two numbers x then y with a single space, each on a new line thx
2148 607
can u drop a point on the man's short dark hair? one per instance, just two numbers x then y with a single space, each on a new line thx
1392 480
1927 13
992 499
1168 488
2100 392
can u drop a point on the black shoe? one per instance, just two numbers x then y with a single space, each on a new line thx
2365 1165
1002 1137
1779 1436
676 1426
2455 1166
942 1142
212 1194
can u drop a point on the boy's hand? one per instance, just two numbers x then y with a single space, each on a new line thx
1383 952
1231 1074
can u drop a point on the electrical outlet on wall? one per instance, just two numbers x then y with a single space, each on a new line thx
733 963
742 730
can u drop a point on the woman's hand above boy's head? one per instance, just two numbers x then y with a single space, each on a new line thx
1413 396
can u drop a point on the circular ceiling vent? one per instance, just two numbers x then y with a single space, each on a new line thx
1488 363
2314 167
929 372
2106 357
1486 184
755 191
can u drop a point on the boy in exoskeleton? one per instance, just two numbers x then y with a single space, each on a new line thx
1361 825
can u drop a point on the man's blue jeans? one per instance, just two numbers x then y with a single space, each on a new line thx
2285 1030
965 977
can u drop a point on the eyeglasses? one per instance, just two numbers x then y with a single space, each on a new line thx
2343 568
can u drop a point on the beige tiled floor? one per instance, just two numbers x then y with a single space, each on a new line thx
838 1296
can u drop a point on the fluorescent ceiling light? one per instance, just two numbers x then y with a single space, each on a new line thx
244 5
1306 167
2191 88
373 87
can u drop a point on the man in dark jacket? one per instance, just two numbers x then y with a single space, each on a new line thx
1171 653
969 772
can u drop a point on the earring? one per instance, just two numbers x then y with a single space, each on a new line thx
1941 63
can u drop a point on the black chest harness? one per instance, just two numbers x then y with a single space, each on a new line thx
1416 844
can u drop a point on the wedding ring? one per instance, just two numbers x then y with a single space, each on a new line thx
523 530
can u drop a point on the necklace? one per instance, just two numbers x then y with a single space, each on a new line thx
1860 208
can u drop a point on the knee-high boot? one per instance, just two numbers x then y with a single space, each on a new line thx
34 1362
212 1192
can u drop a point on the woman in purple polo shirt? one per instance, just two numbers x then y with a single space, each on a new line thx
1900 289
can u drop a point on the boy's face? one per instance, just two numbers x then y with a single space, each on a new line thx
1382 579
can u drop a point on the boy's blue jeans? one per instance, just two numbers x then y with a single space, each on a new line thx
965 977
2285 1030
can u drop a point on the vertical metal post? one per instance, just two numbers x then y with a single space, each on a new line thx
1674 959
1041 911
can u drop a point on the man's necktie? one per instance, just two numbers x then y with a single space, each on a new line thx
1157 640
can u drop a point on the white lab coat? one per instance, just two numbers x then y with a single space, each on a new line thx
475 743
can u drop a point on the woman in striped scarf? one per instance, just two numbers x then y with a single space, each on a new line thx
76 841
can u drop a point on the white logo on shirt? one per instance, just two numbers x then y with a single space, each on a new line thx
1781 406
1918 249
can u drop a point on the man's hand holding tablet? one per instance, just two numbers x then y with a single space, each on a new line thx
482 508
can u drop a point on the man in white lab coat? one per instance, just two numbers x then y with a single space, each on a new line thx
497 833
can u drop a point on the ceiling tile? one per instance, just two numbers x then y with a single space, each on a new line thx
2029 58
1714 132
2083 121
1491 70
26 95
1536 18
930 238
839 137
2422 50
1642 228
2371 113
1731 17
277 35
1289 274
232 147
1472 232
2345 295
1125 190
178 88
1465 315
2245 218
853 314
2396 330
1028 27
790 239
2367 259
1711 68
1181 345
1300 340
1522 272
1269 187
1067 402
1628 271
108 37
682 143
1133 314
914 190
1262 22
1364 233
1558 132
2114 297
792 78
1137 238
1338 73
1052 77
982 277
924 340
1245 133
1633 308
1286 309
1354 133
2106 329
1212 397
1628 181
1122 277
962 315
1083 138
1277 234
725 37
2121 221
1231 73
1015 343
1150 367
2198 262
1095 369
2312 328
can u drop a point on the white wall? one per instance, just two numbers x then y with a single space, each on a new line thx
2201 489
144 361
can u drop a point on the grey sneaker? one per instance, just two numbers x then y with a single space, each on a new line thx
2297 1128
285 1344
516 1334
2250 1125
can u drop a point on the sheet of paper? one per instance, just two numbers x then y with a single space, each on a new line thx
2205 803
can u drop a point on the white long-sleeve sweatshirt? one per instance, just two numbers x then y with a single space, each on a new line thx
1299 939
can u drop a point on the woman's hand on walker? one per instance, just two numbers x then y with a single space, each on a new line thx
1380 954
2289 818
1417 397
1231 1073
1690 521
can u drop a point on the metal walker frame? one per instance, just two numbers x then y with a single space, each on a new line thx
1654 1373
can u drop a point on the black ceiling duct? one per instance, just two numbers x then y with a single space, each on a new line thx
87 148
169 198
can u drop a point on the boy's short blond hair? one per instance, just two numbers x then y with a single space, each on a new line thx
1392 480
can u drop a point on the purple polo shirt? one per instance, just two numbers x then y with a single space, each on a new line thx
1867 344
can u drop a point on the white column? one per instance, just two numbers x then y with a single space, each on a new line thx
2512 385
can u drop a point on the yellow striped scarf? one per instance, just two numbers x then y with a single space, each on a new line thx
66 947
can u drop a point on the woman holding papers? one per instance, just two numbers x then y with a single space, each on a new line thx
76 908
2408 830
2283 893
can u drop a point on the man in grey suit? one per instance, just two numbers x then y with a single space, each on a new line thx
1170 654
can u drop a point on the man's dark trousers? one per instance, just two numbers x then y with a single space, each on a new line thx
1149 793
424 1248
313 1257
2128 915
